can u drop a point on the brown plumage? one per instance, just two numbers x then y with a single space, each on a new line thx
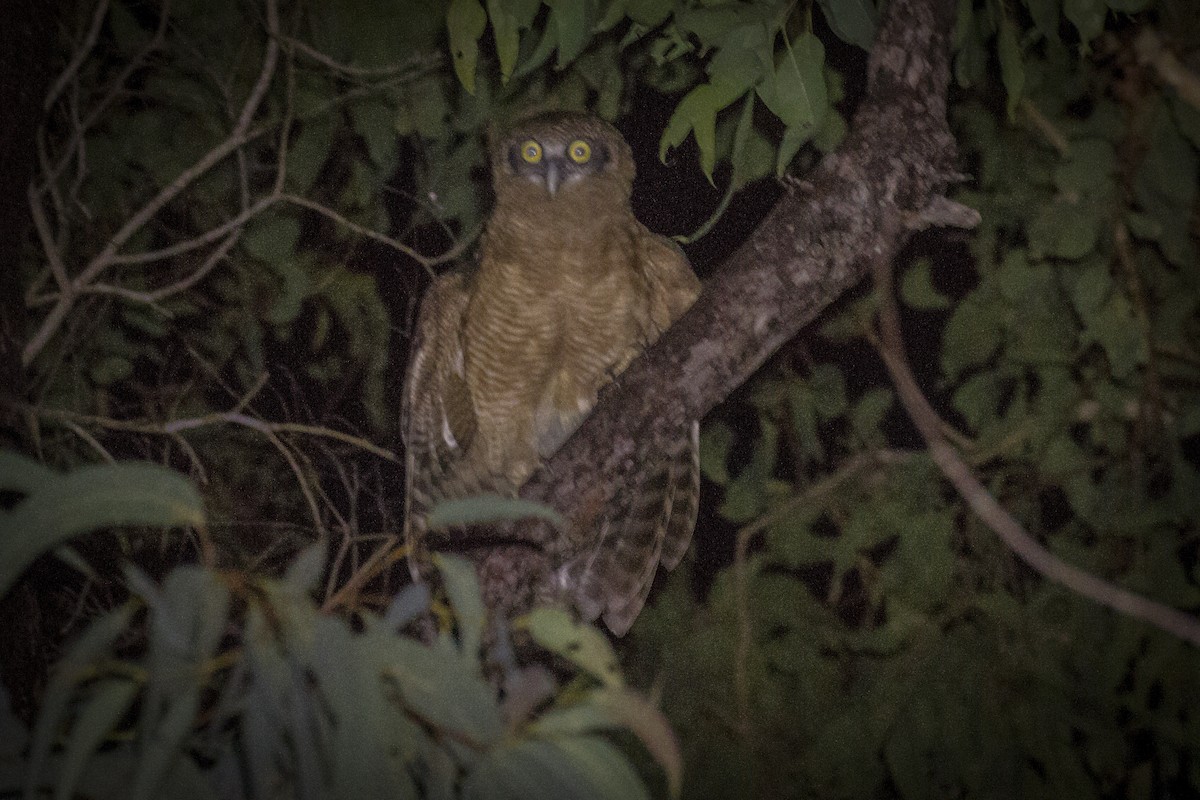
508 358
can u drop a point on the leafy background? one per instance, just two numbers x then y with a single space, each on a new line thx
844 628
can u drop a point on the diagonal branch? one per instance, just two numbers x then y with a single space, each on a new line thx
814 245
985 506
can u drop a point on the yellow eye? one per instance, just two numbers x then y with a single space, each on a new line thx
531 151
579 151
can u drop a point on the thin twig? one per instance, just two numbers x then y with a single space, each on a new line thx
178 426
1150 50
428 262
1045 127
337 66
387 553
75 143
1151 411
78 58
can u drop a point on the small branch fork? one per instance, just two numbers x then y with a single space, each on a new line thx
50 208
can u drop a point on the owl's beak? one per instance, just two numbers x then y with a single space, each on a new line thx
552 177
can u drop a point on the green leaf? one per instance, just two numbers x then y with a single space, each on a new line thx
582 767
1129 6
697 114
751 154
1065 227
853 21
306 570
19 473
367 744
375 121
833 130
446 689
1045 14
95 643
868 413
1114 327
972 335
507 31
970 61
650 13
1089 170
110 370
736 63
828 387
607 708
128 33
272 237
308 151
424 110
164 745
462 587
571 20
715 441
485 509
1088 18
634 712
793 140
1091 288
107 703
583 645
795 89
1012 71
465 22
916 287
97 496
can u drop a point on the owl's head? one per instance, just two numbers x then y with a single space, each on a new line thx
559 151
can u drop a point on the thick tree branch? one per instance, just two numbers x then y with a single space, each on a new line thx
815 244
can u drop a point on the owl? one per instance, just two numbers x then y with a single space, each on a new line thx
508 357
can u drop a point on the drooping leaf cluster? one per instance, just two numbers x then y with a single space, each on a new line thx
223 684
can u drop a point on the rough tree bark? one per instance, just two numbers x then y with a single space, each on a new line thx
816 243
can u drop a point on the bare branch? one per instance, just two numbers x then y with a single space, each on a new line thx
237 137
1150 50
428 262
1011 532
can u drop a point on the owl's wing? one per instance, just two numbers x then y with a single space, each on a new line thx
673 286
653 525
656 513
437 416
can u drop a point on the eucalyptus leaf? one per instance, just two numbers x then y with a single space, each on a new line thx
91 497
466 21
854 21
108 701
484 509
462 588
585 646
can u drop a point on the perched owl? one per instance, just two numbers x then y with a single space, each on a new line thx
508 358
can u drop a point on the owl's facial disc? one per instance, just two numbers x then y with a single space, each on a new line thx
556 163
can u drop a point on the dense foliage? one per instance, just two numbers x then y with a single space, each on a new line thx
234 210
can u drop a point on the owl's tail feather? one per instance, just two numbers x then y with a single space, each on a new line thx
653 525
685 501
